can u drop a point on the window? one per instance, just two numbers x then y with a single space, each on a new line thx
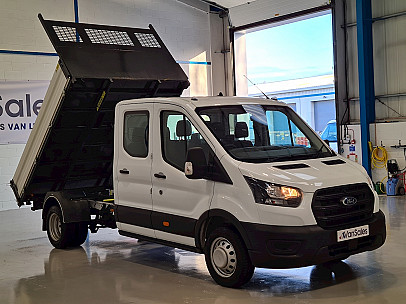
262 133
304 49
136 133
178 135
283 131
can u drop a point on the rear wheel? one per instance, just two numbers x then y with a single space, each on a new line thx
227 258
79 234
62 235
59 233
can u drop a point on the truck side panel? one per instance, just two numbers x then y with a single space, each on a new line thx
71 145
37 139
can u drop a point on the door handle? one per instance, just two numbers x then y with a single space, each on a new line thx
124 171
160 175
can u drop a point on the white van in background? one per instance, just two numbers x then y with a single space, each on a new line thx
329 135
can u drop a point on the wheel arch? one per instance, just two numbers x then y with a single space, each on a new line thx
214 218
73 211
48 203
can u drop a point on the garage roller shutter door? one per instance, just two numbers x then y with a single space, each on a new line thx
324 111
260 10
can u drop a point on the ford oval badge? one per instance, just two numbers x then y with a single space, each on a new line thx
348 201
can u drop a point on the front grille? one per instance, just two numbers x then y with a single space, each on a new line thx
331 213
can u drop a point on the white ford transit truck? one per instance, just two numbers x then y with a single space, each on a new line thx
245 181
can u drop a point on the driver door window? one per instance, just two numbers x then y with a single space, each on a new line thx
178 135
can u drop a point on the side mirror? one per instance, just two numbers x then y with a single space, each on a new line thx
196 164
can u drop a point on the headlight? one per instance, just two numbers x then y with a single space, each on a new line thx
271 194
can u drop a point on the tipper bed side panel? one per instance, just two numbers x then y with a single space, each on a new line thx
105 65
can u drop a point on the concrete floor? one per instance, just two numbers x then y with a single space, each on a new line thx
110 268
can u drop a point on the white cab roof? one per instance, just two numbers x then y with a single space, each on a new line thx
206 101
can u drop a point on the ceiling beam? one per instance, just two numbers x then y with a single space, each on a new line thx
212 3
197 4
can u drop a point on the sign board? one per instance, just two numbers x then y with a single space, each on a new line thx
20 102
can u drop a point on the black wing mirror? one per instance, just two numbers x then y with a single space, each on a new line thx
196 164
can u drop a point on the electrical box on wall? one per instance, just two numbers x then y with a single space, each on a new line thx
351 143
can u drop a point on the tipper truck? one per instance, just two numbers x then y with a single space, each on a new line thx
244 181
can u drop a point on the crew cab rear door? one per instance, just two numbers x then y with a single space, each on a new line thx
132 168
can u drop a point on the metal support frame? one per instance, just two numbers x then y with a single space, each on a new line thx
76 10
382 18
366 76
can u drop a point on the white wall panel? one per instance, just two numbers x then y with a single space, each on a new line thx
184 29
259 10
20 28
9 157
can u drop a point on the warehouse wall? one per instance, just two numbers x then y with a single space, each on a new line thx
9 157
389 135
389 53
389 44
382 134
187 32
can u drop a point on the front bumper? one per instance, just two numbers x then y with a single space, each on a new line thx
290 247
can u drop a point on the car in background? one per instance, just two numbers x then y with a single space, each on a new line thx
330 134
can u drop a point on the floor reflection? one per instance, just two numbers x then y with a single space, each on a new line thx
396 214
110 268
142 272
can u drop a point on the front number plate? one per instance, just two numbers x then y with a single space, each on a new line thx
352 233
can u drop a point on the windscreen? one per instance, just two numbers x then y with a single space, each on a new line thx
263 133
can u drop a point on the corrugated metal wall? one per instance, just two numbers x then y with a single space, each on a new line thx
389 40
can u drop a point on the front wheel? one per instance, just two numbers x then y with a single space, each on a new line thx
227 258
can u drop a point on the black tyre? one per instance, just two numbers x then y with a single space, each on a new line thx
79 234
227 258
401 191
337 260
59 233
